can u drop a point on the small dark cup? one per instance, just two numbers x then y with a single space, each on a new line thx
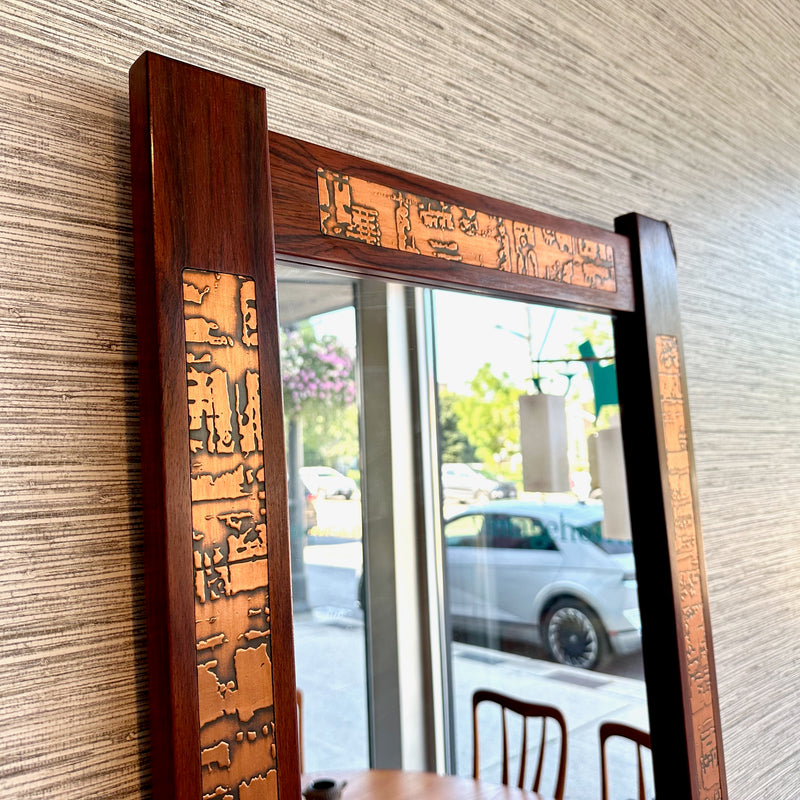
324 789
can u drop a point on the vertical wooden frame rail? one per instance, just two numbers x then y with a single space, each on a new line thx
220 654
657 439
204 200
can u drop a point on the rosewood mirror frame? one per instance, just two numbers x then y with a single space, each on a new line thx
215 193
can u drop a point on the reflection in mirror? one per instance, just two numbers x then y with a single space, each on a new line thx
540 577
535 564
319 359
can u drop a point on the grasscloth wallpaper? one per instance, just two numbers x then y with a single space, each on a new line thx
686 111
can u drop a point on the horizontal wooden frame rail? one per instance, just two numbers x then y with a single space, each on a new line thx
204 201
348 213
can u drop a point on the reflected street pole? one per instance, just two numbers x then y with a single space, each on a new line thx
297 515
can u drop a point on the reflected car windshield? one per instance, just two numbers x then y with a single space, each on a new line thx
594 533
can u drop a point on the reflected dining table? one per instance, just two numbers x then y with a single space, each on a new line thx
397 784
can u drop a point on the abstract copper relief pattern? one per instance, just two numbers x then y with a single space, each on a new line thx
686 549
234 667
363 211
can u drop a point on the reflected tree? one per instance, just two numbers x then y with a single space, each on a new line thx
319 402
489 415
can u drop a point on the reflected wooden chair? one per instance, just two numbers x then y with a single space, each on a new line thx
640 737
526 711
300 730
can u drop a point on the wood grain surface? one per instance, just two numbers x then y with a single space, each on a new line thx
691 597
686 112
218 585
373 220
395 784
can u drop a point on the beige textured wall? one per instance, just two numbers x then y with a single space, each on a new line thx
687 111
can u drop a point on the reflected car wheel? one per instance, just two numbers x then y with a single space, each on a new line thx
574 635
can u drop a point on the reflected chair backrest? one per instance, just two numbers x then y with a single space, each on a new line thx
525 711
640 737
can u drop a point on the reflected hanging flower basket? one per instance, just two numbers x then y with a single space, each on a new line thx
315 371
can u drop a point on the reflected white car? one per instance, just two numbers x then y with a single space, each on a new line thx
547 567
325 482
468 485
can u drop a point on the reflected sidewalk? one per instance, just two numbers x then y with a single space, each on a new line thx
329 646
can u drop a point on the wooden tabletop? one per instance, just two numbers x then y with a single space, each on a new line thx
395 784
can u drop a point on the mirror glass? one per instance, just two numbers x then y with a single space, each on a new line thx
319 367
540 576
514 552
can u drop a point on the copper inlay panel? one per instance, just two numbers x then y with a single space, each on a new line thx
688 559
231 576
363 211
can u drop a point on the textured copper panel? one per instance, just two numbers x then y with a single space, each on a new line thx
368 212
688 559
234 666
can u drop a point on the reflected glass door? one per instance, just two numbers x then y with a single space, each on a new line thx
540 582
351 483
319 364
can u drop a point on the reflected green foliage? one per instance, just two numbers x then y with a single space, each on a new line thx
330 437
455 444
489 416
